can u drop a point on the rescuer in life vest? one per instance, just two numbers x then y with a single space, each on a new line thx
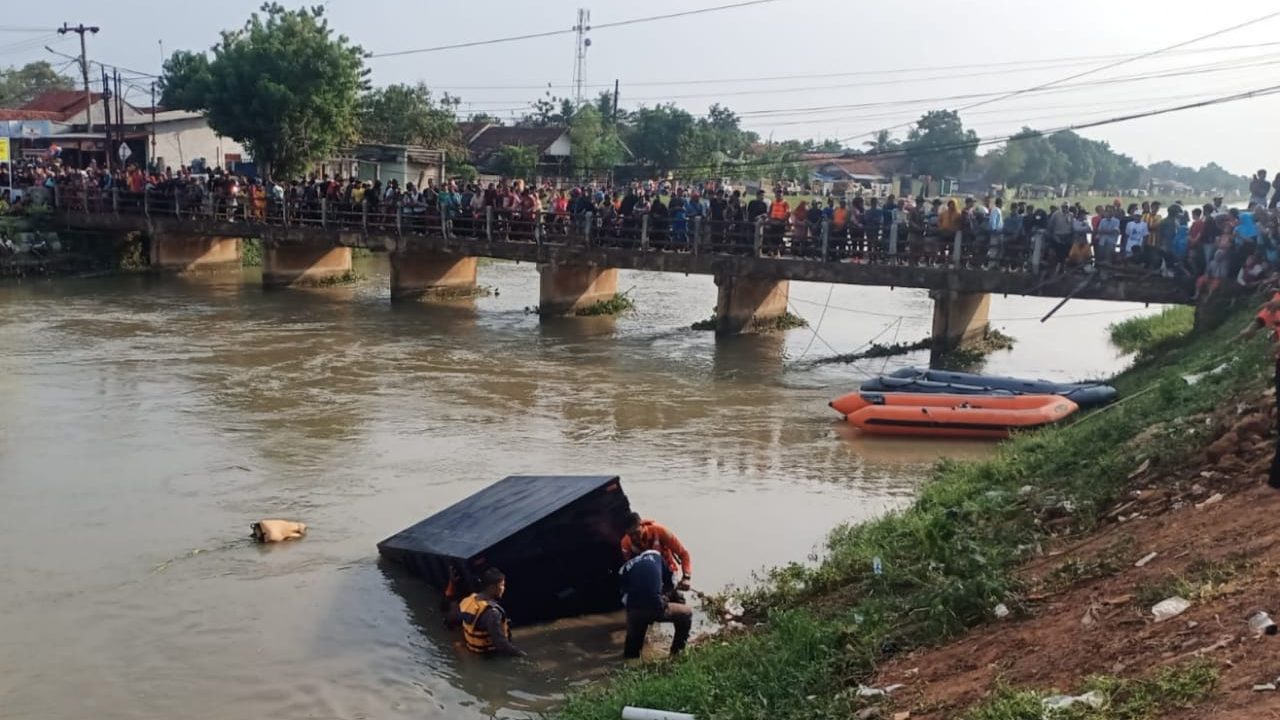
645 535
485 627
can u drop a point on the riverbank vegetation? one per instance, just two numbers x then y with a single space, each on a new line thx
928 573
1149 332
785 321
618 304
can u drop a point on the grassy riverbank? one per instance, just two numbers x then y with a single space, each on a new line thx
948 560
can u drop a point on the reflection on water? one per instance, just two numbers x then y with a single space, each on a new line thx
145 422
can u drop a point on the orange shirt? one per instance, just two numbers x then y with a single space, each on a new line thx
657 537
779 210
950 221
1270 319
840 217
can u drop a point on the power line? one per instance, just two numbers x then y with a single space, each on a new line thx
1060 81
1135 58
1021 67
1255 61
552 33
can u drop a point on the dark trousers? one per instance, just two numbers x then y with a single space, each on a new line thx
1274 480
638 622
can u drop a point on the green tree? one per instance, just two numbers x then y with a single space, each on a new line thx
594 144
882 143
184 81
284 85
661 137
409 115
19 86
549 111
516 161
938 144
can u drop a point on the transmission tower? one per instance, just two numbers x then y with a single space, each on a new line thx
580 53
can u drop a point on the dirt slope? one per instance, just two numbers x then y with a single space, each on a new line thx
1214 525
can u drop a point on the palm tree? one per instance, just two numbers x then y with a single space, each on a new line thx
883 143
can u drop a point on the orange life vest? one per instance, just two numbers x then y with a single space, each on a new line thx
779 210
477 640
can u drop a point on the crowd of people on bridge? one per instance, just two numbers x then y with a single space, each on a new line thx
1212 243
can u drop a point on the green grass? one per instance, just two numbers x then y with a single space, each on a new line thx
616 305
1145 335
1202 579
1147 698
948 559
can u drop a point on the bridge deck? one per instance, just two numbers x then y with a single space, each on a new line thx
578 249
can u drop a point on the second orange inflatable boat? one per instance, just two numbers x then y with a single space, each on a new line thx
956 416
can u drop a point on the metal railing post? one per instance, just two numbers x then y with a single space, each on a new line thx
538 231
444 221
146 203
955 251
115 200
644 232
893 236
364 215
587 220
826 237
399 231
324 212
697 235
1037 251
488 223
759 239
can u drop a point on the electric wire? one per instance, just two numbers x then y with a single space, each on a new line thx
552 33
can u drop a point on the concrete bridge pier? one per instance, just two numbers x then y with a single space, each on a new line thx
958 318
744 301
175 252
565 289
422 273
289 264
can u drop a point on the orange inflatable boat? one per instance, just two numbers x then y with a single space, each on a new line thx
956 416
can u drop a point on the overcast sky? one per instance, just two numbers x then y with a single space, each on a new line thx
845 53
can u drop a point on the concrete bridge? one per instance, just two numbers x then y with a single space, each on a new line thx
579 266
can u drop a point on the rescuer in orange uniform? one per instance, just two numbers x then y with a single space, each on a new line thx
645 535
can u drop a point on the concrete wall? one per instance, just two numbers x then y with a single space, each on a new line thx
565 289
284 265
415 274
958 318
194 253
179 142
741 301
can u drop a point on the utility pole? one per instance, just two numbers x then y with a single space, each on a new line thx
106 119
152 163
615 103
80 30
580 53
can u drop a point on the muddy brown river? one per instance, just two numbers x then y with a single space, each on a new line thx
145 422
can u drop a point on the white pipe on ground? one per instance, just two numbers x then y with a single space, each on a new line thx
635 713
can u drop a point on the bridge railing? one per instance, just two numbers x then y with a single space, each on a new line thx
894 243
